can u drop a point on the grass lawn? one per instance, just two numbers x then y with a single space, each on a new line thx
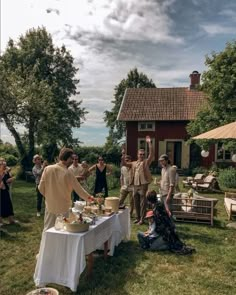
211 270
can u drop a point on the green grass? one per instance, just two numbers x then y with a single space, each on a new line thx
212 270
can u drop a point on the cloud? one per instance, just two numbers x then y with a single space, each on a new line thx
117 21
229 13
217 29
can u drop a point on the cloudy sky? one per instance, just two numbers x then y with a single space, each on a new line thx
165 39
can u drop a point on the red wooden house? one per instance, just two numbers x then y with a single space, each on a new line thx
163 114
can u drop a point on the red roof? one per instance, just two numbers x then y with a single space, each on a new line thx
160 104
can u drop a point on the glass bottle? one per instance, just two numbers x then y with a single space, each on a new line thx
59 224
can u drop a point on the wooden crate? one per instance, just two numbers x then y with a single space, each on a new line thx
197 209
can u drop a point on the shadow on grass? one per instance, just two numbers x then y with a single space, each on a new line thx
110 276
11 231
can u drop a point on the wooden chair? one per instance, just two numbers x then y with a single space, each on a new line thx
198 178
195 210
230 204
210 184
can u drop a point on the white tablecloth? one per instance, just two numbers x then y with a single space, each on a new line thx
62 254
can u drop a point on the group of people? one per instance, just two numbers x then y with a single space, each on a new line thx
136 177
57 182
81 171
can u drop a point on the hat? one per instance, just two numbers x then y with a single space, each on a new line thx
163 157
149 214
36 157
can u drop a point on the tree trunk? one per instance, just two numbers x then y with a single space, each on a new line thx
23 154
31 139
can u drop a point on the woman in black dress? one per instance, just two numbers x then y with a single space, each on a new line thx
102 170
6 209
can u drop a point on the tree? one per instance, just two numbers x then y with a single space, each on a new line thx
219 83
134 80
37 82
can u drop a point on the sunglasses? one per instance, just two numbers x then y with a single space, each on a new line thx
75 159
141 154
100 160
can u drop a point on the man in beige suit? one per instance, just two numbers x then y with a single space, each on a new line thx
140 178
56 185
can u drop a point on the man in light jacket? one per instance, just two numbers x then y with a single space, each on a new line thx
56 185
140 179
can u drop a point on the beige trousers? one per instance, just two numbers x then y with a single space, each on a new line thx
123 195
140 200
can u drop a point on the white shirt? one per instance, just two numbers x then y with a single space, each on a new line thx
152 230
125 175
168 178
77 171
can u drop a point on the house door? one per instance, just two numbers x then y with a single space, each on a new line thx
174 151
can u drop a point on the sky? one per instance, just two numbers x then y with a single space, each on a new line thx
165 39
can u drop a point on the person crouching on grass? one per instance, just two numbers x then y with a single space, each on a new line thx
147 238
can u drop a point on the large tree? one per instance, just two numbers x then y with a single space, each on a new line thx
219 83
37 82
134 79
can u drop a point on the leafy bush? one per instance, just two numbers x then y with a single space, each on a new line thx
199 170
10 159
9 149
227 178
91 154
18 172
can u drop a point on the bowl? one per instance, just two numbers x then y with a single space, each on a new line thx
77 227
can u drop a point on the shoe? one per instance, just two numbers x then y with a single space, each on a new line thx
14 222
140 222
38 214
136 221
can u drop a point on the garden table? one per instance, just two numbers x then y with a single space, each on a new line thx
62 255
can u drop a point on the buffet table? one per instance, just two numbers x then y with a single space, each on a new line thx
62 255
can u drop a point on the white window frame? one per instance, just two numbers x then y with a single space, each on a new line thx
222 160
146 128
146 146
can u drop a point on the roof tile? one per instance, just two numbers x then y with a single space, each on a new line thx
160 104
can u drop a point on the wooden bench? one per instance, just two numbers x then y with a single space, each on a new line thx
198 178
230 204
197 209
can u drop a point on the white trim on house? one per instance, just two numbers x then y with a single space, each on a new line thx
223 159
143 126
185 151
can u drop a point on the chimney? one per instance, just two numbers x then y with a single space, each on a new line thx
194 80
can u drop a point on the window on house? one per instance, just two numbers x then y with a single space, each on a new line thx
143 145
146 126
222 154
